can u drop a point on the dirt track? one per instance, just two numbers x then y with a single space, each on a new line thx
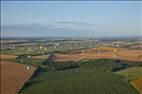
124 54
13 77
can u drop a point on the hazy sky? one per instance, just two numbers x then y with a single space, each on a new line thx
71 18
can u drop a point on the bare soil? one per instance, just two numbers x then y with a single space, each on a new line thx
14 76
123 54
7 56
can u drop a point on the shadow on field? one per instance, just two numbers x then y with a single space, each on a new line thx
42 68
29 84
50 57
37 72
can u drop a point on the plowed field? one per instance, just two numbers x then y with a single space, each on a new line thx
14 76
124 54
7 56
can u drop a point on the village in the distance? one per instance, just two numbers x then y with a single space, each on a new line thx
71 47
32 55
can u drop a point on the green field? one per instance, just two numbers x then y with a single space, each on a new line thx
16 52
90 77
54 47
131 73
35 62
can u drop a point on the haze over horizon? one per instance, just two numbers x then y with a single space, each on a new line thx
71 18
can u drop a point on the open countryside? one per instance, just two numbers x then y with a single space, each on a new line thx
72 69
74 47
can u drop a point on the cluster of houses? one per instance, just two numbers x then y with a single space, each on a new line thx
39 50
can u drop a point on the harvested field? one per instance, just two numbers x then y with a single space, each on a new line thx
131 73
138 84
123 54
7 56
14 76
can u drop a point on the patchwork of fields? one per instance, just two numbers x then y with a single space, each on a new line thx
60 47
83 77
73 76
134 74
123 54
131 73
79 81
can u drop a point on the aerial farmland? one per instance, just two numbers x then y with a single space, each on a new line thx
81 69
74 47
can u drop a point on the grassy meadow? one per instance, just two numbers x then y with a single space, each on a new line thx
83 77
131 73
